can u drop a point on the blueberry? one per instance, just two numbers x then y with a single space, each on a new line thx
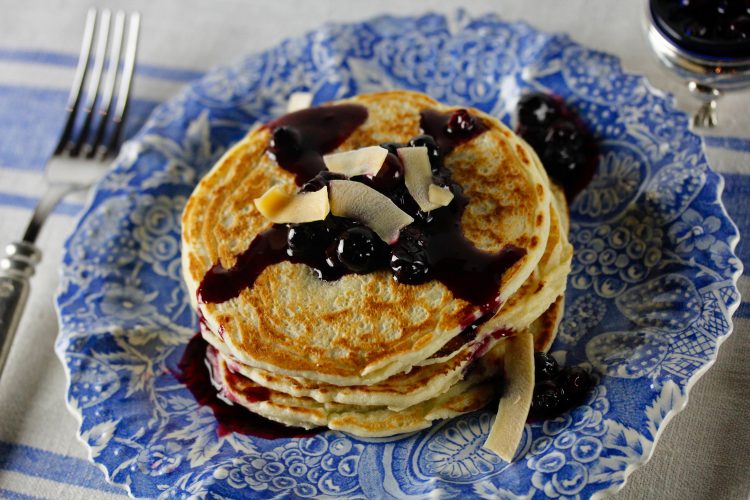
320 181
547 399
442 178
728 8
564 163
534 136
359 249
537 111
563 133
737 29
286 141
392 147
332 268
392 171
304 240
433 151
335 226
545 366
388 179
460 123
695 29
410 261
404 200
557 389
575 382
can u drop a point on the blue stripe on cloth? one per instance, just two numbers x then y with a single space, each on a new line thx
31 120
735 143
14 495
29 202
70 60
736 194
743 311
53 466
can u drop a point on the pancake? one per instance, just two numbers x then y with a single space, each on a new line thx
360 329
312 407
544 287
399 391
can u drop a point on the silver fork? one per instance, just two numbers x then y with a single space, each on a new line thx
83 149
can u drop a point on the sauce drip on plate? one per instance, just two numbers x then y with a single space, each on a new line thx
194 372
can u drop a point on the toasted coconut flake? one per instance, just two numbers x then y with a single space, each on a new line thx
514 406
282 208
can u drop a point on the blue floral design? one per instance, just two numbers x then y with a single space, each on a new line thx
693 231
610 257
125 316
456 452
620 174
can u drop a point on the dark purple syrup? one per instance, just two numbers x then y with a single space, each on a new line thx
300 139
195 374
714 28
451 129
268 248
469 273
567 149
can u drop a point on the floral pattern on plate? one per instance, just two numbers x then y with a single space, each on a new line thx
650 295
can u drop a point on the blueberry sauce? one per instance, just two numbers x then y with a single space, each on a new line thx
194 372
433 247
451 129
714 28
557 389
567 149
300 139
469 273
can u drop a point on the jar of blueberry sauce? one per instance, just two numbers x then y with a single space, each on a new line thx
707 43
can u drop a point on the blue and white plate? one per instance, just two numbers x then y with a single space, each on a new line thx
649 300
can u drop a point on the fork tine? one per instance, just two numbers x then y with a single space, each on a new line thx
105 105
74 98
123 93
92 93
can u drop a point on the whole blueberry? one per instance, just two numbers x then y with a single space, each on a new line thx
547 399
534 136
337 225
320 181
392 147
576 382
696 29
460 123
563 133
537 111
564 164
404 200
359 249
304 240
389 177
410 261
545 366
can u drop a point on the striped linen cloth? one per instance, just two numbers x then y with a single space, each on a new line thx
703 453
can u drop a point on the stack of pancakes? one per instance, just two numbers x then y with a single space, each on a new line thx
365 354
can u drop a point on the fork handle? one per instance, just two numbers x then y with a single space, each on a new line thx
16 269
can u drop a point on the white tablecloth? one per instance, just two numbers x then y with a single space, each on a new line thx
703 452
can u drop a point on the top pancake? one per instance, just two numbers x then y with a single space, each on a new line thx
361 328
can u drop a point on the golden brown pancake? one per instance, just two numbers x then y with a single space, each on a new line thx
360 329
303 404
